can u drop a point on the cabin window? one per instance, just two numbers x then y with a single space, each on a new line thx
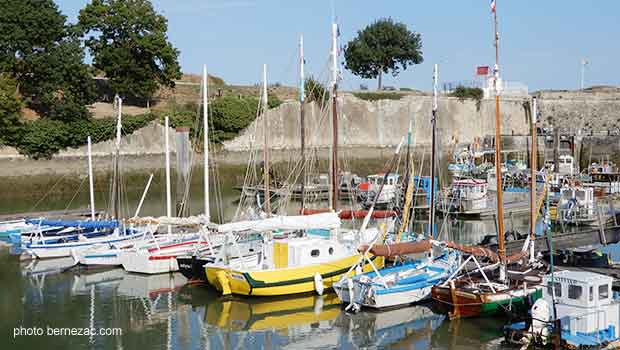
315 253
591 294
331 250
574 292
558 289
603 292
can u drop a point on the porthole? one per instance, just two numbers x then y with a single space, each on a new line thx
331 250
315 253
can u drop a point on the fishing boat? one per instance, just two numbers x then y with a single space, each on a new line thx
508 284
388 197
576 206
578 310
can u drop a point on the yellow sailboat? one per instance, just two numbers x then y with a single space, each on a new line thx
288 266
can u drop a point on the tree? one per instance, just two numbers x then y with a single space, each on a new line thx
10 106
128 42
42 52
381 47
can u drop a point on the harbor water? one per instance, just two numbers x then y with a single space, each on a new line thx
130 311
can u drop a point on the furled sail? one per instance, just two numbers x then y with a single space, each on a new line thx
396 249
353 214
75 223
299 222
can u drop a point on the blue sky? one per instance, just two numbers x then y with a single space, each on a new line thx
542 42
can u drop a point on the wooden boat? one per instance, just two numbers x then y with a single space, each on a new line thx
494 288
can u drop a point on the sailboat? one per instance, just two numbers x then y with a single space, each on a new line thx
299 262
409 281
488 291
80 235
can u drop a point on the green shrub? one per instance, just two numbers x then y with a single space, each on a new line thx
315 91
375 96
42 138
463 92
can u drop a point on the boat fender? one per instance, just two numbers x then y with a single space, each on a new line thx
224 282
318 305
318 284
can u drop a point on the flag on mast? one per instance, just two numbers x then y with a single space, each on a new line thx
493 5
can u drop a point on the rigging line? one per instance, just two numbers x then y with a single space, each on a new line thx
75 194
48 192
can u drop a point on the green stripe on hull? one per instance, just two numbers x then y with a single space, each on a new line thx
520 304
254 284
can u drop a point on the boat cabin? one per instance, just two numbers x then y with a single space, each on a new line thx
293 252
470 188
584 302
377 180
566 165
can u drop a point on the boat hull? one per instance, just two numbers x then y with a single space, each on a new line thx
464 304
283 281
59 250
193 269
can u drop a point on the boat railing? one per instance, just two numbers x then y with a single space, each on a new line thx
579 324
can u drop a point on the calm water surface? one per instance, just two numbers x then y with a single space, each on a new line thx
162 312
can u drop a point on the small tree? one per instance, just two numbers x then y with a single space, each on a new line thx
381 47
128 42
315 91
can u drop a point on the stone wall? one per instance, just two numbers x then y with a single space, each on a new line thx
383 123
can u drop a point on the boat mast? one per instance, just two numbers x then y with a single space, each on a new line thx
266 145
116 190
334 169
205 126
91 189
431 217
167 154
302 121
498 161
534 168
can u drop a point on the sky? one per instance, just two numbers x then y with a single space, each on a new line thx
542 41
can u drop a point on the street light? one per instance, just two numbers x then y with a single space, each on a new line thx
584 62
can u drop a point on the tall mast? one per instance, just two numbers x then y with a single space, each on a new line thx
91 189
302 120
534 168
334 169
205 121
431 217
266 144
116 191
498 149
167 155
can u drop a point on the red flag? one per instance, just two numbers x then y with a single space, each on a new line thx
492 5
482 70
